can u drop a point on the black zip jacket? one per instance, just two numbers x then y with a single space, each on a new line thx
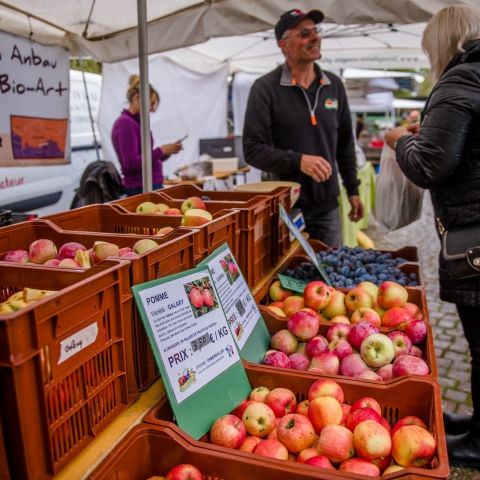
279 128
445 157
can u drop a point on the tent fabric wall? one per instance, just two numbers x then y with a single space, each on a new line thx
191 103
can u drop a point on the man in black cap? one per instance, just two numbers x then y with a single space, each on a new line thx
298 127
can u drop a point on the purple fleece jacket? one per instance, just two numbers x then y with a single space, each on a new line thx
127 142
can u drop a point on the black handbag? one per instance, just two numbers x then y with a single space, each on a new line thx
461 250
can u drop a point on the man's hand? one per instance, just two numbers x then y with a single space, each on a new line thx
356 212
392 136
316 167
171 148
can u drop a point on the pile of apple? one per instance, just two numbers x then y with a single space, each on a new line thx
324 431
23 298
354 344
193 209
73 254
184 471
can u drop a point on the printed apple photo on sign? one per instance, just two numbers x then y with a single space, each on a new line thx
230 268
201 296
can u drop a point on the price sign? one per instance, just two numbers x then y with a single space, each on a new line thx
293 284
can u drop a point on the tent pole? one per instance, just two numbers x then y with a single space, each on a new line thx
144 95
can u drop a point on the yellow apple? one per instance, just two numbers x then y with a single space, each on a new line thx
196 217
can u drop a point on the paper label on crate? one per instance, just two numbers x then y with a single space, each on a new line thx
236 298
303 243
190 331
293 284
77 342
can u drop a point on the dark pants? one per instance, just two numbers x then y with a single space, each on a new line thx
135 191
470 318
324 226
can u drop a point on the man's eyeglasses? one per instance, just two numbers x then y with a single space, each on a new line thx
304 33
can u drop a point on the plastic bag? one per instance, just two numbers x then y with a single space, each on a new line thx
398 201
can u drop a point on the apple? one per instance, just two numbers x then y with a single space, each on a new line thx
299 361
259 419
352 365
341 348
292 304
409 365
367 402
238 412
302 407
401 342
408 420
359 332
162 232
82 258
208 298
184 471
317 295
146 208
377 350
370 287
232 268
250 443
68 250
68 263
195 217
340 319
196 298
336 443
16 256
336 305
53 262
316 345
414 310
271 447
124 251
325 387
360 415
42 250
172 211
192 202
303 325
161 207
281 401
391 294
416 331
416 351
371 440
277 292
144 245
326 363
396 317
346 412
366 314
361 466
284 341
319 461
305 454
277 359
296 432
259 394
357 298
368 375
385 372
392 469
324 411
277 311
103 250
413 446
338 331
228 431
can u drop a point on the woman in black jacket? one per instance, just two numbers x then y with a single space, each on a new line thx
443 156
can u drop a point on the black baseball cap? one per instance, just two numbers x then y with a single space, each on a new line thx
293 17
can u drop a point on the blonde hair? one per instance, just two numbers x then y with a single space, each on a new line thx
134 89
446 33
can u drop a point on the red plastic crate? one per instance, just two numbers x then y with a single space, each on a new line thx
414 396
53 406
175 253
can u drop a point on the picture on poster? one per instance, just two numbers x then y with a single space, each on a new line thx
36 137
201 296
230 268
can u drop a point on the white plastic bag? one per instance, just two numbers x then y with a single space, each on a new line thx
398 201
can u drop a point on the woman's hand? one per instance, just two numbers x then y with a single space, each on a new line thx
392 136
171 148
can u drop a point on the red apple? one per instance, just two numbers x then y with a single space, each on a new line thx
194 217
416 351
317 295
409 365
238 412
249 444
336 443
326 363
271 447
305 454
196 297
359 332
352 365
408 420
325 387
416 331
366 314
413 446
386 372
357 298
192 202
67 263
369 375
284 341
361 466
324 411
396 317
299 361
281 401
302 407
341 348
228 431
42 250
319 461
277 359
16 256
413 309
335 305
316 346
391 294
338 331
172 211
367 402
303 325
370 287
69 249
360 415
340 319
371 440
259 419
401 342
184 471
292 304
277 292
208 299
296 432
259 394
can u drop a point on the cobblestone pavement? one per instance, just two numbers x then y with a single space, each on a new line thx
450 345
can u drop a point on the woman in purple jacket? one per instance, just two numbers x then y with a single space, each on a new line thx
126 140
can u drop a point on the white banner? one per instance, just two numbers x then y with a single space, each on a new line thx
34 95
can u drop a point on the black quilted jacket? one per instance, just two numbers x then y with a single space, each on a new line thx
445 157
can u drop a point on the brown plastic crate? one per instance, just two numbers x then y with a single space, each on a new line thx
52 408
278 196
175 253
150 450
408 396
253 250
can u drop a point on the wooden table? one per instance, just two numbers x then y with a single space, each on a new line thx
217 176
